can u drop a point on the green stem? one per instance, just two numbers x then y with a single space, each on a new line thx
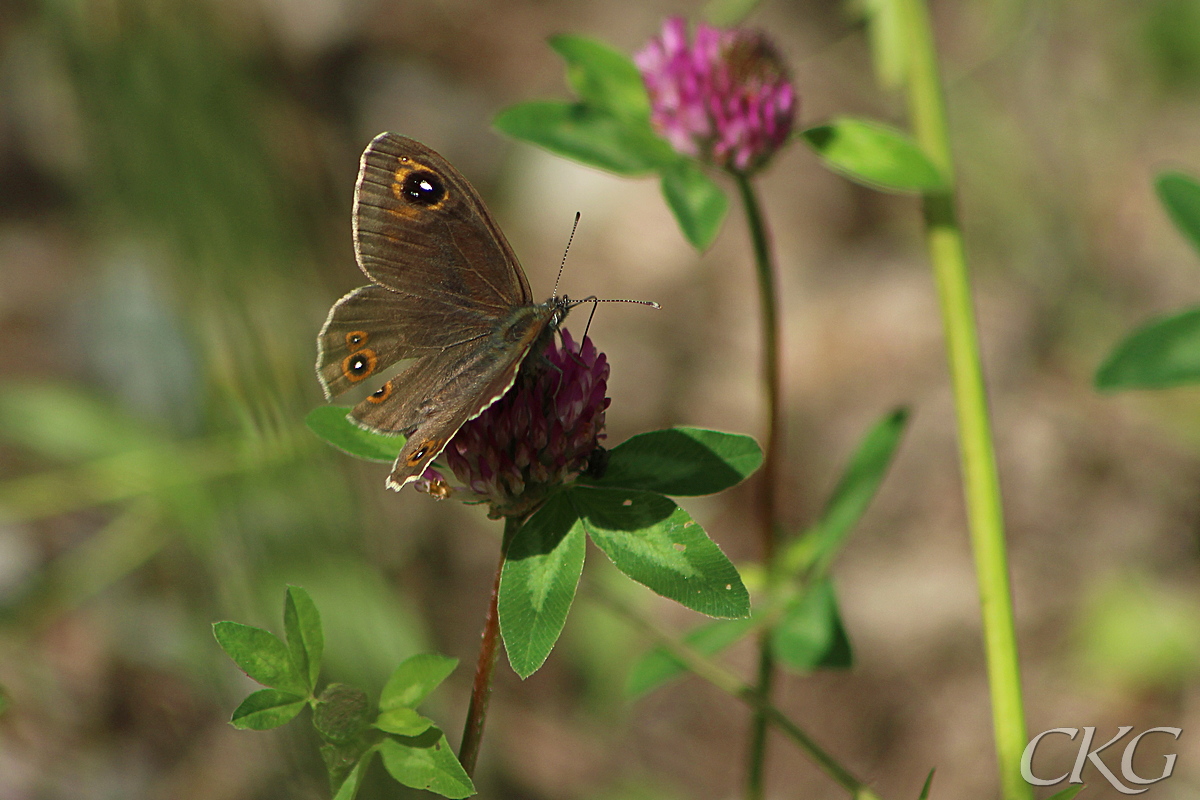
707 669
769 313
768 479
485 666
981 484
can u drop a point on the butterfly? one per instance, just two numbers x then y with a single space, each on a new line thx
447 291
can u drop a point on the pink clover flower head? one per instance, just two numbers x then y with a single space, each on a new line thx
539 435
725 98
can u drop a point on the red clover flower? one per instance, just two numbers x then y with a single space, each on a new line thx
540 434
725 98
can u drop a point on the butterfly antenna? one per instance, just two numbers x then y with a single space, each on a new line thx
595 301
563 265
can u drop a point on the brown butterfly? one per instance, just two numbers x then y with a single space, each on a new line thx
448 291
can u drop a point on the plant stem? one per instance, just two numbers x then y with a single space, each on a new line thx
481 691
981 484
707 669
757 754
769 477
768 310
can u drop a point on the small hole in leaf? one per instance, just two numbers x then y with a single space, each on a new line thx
729 587
627 502
680 546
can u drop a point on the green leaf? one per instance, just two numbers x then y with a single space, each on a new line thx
587 134
851 497
681 461
658 665
810 634
346 761
1180 195
331 424
1068 793
656 543
537 585
305 639
696 200
260 655
426 762
413 680
266 709
1162 353
348 787
875 155
603 76
403 721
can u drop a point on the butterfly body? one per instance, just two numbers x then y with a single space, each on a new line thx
448 293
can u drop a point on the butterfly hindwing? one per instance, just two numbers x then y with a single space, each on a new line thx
435 396
372 328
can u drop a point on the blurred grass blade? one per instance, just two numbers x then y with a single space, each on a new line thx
658 666
854 492
1180 195
104 558
64 422
1162 353
133 474
1069 792
928 784
875 155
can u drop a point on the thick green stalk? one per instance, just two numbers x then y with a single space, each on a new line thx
768 477
981 484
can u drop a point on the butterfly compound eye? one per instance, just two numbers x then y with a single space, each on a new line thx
423 188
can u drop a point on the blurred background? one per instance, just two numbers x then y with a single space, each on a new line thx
175 187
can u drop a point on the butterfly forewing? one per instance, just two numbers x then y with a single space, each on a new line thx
421 229
449 293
